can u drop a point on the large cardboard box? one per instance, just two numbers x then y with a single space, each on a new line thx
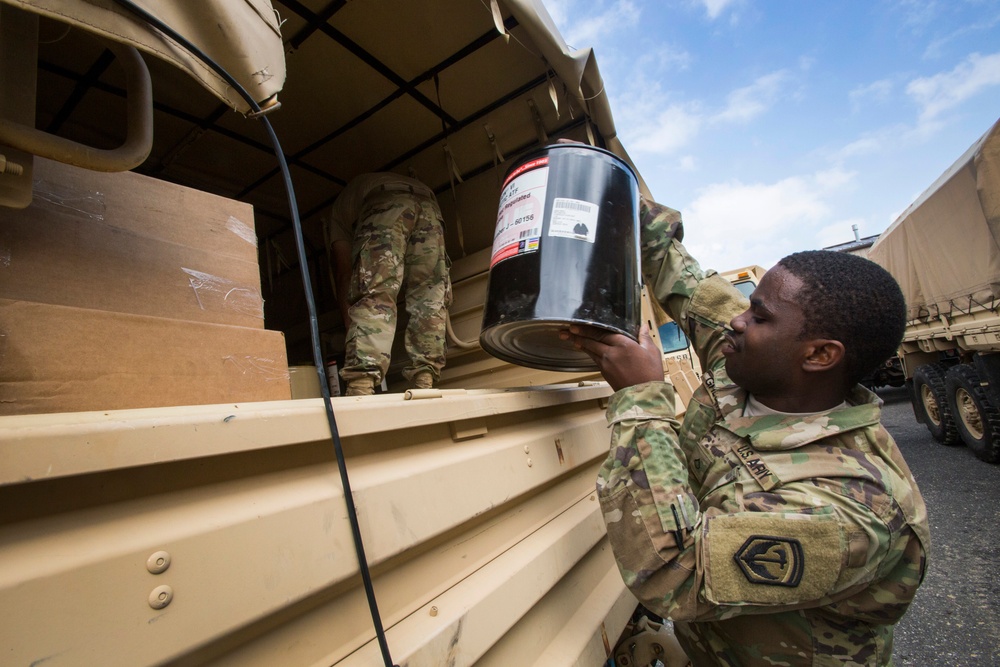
129 243
64 359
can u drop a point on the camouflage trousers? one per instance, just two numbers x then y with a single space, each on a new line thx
398 242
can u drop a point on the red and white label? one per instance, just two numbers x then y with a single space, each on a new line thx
519 218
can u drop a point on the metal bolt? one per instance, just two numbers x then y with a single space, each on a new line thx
161 597
434 611
158 562
10 168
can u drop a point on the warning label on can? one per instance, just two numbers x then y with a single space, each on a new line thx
519 218
573 218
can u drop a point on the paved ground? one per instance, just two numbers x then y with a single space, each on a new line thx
955 619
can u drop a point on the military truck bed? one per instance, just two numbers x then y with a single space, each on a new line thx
944 250
477 509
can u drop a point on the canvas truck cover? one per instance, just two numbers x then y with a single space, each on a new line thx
944 250
243 37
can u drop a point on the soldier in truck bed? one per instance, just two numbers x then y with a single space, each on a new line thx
385 231
779 523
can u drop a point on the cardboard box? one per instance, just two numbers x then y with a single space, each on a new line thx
63 359
128 243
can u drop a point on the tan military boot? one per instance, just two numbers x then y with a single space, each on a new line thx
423 380
361 387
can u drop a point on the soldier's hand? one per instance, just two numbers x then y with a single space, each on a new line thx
622 361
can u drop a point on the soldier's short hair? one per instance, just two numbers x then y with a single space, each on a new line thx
853 300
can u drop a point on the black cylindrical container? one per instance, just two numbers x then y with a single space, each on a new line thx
565 250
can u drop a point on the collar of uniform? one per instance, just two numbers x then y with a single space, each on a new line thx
774 432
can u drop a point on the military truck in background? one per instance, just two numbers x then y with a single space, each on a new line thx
163 497
944 251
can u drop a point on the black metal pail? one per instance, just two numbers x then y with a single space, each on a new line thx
565 250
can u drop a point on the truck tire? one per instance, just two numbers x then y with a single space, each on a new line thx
930 401
976 418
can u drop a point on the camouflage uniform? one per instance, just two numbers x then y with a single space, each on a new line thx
397 236
769 540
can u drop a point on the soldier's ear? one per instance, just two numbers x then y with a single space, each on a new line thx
823 355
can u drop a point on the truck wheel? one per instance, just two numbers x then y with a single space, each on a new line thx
976 418
930 401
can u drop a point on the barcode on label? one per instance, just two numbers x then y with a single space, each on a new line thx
528 232
573 205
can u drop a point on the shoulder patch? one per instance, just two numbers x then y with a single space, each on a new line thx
761 558
771 561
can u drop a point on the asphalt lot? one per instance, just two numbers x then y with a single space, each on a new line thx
955 618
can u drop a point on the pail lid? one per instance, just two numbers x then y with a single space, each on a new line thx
536 344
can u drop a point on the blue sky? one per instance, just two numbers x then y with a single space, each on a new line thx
776 125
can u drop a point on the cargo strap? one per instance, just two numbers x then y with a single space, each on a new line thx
453 176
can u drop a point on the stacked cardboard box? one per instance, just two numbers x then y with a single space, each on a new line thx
123 291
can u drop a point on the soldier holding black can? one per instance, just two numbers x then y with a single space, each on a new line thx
778 524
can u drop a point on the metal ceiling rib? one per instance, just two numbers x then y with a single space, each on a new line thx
318 19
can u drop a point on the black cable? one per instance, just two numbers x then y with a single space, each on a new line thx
310 304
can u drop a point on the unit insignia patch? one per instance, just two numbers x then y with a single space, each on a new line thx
772 561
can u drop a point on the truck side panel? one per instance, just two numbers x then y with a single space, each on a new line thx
474 506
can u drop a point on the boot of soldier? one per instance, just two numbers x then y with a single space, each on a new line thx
364 386
423 380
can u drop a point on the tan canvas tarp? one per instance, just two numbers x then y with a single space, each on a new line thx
242 36
943 250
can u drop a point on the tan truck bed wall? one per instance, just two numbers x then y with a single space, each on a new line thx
945 249
477 509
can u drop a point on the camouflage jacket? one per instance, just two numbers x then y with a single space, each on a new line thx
767 540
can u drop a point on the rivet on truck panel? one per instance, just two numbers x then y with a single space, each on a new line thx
161 597
158 562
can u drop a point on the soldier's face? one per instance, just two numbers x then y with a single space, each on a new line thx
764 354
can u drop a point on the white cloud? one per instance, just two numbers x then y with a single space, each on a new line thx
866 145
650 128
885 139
763 208
941 92
589 30
744 104
651 122
734 224
833 180
713 8
936 48
687 163
918 14
878 91
665 57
